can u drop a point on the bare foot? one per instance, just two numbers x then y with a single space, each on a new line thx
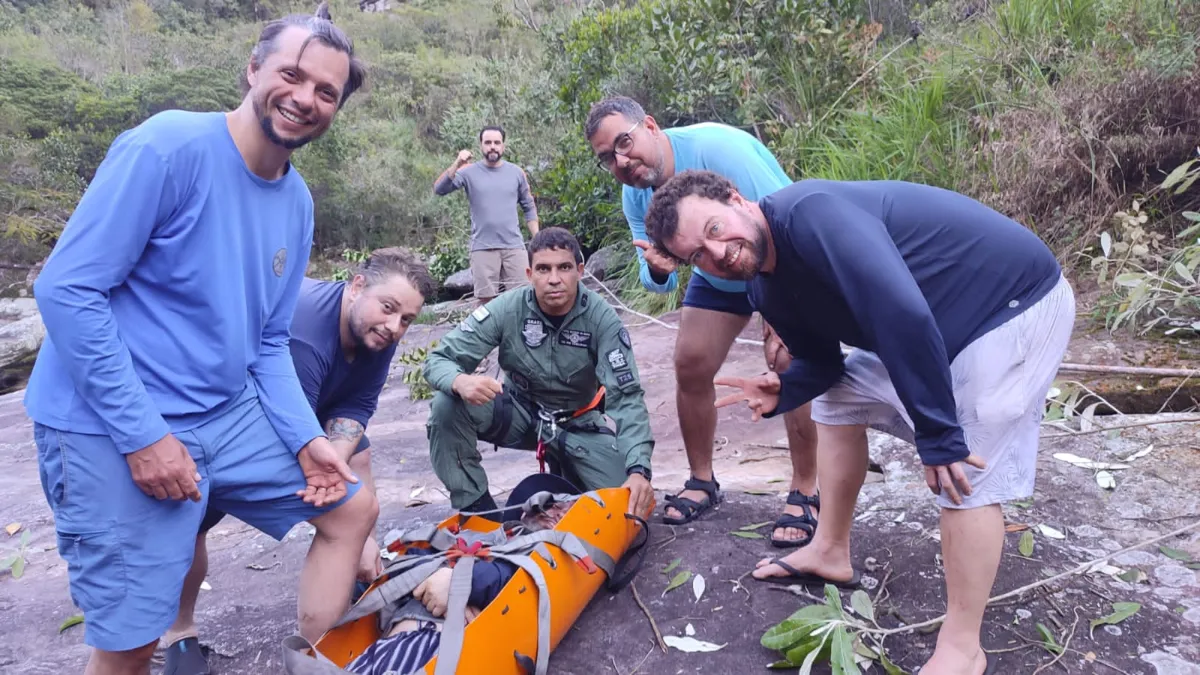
698 496
794 533
950 661
830 564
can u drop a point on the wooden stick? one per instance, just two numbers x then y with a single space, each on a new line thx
657 634
1129 370
1184 420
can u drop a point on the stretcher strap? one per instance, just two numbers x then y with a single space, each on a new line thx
389 594
454 628
300 658
543 617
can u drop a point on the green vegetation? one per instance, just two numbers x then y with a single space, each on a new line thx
1060 113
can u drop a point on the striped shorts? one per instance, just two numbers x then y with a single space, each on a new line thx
400 654
1000 382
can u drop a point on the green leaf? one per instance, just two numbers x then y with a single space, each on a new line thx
1121 611
755 526
747 535
833 598
25 538
889 667
1048 639
1177 175
18 567
806 666
1184 273
73 621
1193 566
1175 554
1025 504
674 563
782 665
1026 543
841 658
1133 576
679 580
759 492
8 562
861 602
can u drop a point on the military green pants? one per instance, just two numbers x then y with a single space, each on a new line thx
585 450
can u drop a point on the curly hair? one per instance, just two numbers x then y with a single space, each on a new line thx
384 263
662 218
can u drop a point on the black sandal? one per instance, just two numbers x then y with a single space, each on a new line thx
691 509
806 522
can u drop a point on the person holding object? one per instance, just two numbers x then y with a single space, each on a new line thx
961 318
494 189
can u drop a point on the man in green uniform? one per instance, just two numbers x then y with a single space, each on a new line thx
559 344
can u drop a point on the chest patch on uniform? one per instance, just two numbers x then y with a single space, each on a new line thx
481 313
534 332
623 336
575 338
279 262
624 378
519 380
616 358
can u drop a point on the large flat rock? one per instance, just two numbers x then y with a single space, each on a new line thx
251 605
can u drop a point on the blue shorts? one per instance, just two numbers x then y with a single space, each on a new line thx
213 515
703 295
127 553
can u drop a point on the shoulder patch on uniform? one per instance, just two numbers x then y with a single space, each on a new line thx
534 332
583 300
625 378
623 336
575 338
481 313
465 327
616 359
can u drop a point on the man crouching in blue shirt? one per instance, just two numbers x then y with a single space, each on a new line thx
961 317
165 384
344 336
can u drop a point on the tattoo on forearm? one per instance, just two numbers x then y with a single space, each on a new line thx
340 428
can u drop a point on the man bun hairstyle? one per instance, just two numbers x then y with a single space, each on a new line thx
320 27
384 263
662 218
623 105
555 238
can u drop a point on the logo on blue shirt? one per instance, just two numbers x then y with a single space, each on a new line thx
279 262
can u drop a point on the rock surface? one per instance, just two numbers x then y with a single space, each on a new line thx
21 334
605 260
458 284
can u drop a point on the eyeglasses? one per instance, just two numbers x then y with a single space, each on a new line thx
621 146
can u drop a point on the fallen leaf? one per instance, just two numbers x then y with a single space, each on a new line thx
698 586
18 567
690 644
1090 657
1025 546
25 538
1024 504
747 535
1048 531
12 528
1105 568
755 526
1106 481
1193 566
677 581
204 586
73 621
1016 527
1085 463
689 630
861 602
417 492
1175 554
1139 454
899 518
672 566
776 480
1121 611
1134 576
760 492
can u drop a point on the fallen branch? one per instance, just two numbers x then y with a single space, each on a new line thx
1075 571
1185 420
1065 645
1129 370
657 634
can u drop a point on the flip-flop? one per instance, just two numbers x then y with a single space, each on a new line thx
185 657
795 576
691 509
806 522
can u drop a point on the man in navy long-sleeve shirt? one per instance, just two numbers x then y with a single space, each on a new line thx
165 382
961 317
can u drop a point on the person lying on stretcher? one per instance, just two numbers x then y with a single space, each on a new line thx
411 643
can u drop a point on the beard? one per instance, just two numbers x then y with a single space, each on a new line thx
750 261
263 111
493 155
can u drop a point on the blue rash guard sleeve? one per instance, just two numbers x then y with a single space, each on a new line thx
132 191
852 251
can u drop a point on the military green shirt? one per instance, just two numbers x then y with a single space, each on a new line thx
555 369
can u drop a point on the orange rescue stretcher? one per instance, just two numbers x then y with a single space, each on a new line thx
592 544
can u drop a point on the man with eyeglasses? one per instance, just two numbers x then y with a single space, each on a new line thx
643 156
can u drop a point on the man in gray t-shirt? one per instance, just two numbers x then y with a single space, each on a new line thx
494 187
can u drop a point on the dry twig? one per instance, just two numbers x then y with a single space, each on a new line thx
657 633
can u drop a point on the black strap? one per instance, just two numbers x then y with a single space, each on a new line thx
502 417
528 667
631 563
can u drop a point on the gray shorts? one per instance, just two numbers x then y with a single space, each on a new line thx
1000 383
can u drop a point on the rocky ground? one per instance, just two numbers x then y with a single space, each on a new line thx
250 606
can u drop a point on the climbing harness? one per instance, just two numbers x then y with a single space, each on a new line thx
549 421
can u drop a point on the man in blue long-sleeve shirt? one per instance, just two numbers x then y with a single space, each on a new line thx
961 317
643 156
165 383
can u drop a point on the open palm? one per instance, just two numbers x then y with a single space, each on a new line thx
761 393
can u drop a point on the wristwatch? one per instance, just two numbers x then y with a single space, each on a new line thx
638 468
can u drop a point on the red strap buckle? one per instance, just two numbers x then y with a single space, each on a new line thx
541 457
